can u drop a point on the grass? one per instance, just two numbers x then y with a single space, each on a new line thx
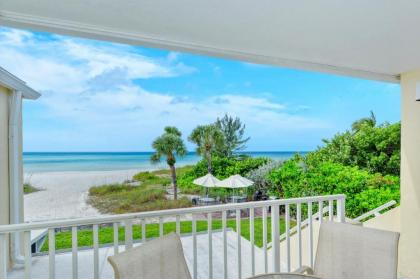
106 234
150 195
28 188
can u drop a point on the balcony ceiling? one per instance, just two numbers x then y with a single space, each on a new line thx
376 39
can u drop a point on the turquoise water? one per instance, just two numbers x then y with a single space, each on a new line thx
105 161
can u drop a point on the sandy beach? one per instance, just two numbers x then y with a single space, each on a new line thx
64 194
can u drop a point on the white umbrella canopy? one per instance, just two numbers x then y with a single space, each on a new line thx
208 181
235 181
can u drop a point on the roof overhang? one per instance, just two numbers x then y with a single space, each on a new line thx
369 39
15 84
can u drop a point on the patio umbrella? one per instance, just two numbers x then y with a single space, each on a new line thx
234 182
208 181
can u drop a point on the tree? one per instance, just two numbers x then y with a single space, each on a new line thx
168 145
208 139
233 132
369 121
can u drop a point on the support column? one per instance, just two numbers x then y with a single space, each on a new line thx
15 170
4 159
409 252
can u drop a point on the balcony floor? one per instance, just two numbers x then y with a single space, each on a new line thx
85 259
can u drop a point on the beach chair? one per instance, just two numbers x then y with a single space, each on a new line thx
160 258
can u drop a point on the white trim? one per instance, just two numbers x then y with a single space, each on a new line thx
97 32
12 82
15 169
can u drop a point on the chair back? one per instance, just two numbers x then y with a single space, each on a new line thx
353 252
160 258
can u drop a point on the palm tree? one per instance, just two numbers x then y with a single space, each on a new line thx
168 145
366 121
208 139
233 131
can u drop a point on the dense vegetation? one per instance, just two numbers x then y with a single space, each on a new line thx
362 163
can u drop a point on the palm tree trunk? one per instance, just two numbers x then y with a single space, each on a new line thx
173 177
209 164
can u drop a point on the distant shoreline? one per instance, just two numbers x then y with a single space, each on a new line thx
53 162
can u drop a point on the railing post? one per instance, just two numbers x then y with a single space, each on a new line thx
210 243
341 210
128 234
225 267
27 253
74 247
264 223
275 241
3 256
51 248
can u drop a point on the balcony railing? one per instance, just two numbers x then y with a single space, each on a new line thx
287 210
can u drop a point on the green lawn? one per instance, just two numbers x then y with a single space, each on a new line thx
106 234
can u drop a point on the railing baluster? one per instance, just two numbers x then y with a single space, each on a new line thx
299 232
194 234
116 238
330 210
95 252
264 224
178 224
143 230
287 213
51 252
74 247
127 222
251 237
27 254
310 231
320 211
238 248
210 238
275 241
3 256
225 267
341 210
128 234
160 226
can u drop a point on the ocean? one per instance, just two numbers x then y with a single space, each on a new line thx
35 162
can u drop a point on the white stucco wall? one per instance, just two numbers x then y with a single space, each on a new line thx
410 177
389 221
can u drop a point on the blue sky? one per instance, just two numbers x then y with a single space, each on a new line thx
100 96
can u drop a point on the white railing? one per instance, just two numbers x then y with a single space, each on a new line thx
273 207
374 212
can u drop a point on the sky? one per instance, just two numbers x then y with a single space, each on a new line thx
102 96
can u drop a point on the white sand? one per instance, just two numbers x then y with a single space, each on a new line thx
64 193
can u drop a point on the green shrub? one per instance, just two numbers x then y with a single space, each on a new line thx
28 188
142 176
360 187
376 149
120 198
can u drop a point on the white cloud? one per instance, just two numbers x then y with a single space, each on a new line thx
91 90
